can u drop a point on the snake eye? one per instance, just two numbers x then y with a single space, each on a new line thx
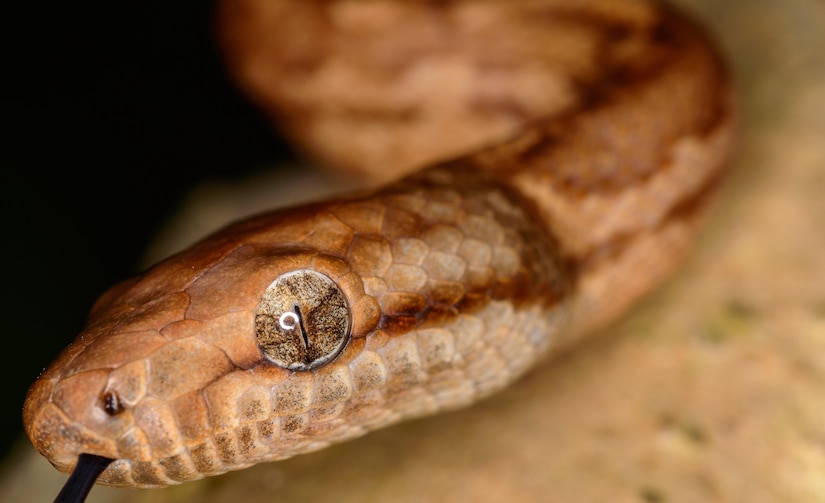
112 403
302 321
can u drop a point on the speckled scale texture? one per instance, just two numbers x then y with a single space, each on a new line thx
440 274
583 190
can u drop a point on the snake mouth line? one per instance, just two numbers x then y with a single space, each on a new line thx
80 482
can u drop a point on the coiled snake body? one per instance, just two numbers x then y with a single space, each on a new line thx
584 139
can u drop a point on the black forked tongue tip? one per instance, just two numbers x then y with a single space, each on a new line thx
88 469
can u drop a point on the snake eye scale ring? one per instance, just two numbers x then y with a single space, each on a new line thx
302 321
539 165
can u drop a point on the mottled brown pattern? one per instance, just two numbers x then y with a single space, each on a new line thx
612 122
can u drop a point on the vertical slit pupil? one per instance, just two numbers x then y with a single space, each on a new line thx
302 328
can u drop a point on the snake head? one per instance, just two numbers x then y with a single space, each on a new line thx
290 331
171 359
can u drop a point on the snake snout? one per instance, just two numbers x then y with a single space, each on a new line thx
66 417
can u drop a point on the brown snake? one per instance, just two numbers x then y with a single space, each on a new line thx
584 140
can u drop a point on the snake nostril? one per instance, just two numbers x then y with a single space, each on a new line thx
112 403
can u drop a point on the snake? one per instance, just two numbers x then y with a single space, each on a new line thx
539 166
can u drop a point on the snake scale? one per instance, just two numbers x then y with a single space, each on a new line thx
542 165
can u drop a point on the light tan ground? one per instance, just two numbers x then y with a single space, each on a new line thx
712 391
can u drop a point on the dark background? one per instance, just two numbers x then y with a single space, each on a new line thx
112 111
